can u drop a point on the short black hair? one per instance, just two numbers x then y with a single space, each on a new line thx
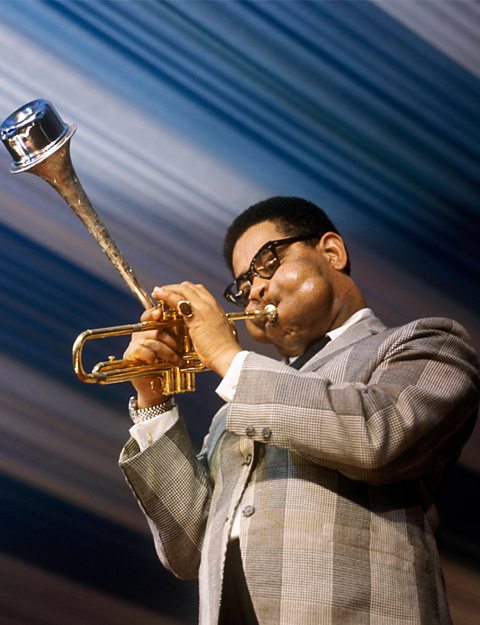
293 216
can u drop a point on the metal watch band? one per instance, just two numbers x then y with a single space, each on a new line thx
138 415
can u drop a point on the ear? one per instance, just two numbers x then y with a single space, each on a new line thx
333 248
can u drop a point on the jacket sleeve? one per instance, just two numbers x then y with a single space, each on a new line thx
173 489
406 409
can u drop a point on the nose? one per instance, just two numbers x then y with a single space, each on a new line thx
258 290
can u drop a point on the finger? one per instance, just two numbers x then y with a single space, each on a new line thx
203 294
163 335
152 314
173 293
141 352
164 351
197 295
150 351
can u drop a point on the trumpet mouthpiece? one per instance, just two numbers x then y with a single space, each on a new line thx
270 312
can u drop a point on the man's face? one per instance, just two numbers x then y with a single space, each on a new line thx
305 289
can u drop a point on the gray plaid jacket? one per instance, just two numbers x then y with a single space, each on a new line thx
335 469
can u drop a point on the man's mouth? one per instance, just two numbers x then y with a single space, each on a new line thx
271 313
266 317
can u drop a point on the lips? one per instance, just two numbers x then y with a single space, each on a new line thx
265 322
259 323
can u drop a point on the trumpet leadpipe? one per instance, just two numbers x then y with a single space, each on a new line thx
269 313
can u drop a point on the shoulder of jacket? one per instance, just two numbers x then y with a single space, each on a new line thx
434 325
428 330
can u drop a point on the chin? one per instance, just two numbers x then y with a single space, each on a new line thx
288 352
257 332
286 342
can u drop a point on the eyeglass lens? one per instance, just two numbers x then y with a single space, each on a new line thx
264 265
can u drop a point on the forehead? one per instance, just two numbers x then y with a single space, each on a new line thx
251 241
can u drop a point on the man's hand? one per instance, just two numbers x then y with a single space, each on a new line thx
148 347
211 333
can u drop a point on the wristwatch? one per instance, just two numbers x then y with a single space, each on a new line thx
138 415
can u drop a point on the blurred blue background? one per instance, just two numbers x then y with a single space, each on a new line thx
187 112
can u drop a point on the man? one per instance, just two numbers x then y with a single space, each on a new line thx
312 501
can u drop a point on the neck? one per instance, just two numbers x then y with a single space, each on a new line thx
349 302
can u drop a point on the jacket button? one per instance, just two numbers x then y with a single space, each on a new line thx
248 510
250 431
267 433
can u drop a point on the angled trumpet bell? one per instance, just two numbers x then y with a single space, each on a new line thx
39 141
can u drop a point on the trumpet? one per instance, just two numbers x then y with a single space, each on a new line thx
39 141
169 378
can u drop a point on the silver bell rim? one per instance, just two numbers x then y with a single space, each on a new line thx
32 133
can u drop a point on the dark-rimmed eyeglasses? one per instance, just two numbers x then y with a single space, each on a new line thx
264 264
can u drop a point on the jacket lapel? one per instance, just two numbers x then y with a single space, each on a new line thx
362 329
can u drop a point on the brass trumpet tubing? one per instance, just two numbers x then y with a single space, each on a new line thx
178 378
172 379
103 333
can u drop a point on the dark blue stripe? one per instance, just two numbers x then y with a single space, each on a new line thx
64 539
46 301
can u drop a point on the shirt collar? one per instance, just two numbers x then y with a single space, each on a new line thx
363 313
